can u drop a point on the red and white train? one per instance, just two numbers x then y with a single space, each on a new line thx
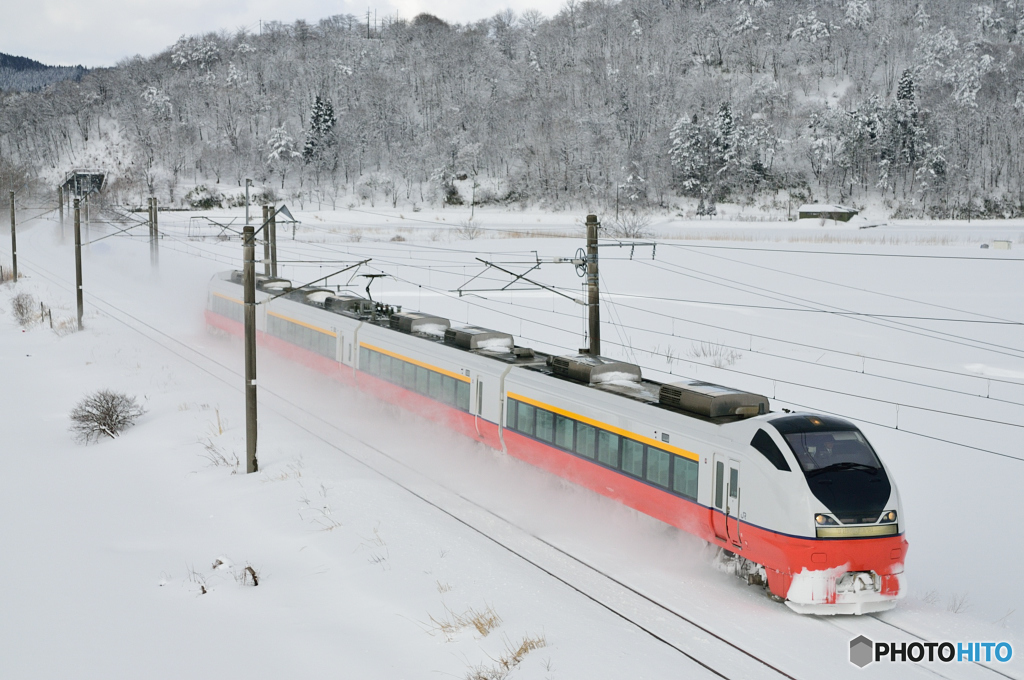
799 503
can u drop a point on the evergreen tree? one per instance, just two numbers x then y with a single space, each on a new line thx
320 138
905 89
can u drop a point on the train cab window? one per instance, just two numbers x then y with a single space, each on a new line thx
633 457
448 390
657 467
564 432
524 418
820 450
763 442
545 425
684 477
608 448
462 395
586 439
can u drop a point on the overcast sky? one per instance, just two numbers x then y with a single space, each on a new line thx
102 32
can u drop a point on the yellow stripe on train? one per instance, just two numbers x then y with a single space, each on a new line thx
654 443
302 323
450 374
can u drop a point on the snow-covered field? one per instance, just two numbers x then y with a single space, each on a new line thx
375 533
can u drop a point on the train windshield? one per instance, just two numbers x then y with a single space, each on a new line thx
832 450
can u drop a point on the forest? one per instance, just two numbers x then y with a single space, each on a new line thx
647 105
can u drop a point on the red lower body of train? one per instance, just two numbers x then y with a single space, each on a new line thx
803 571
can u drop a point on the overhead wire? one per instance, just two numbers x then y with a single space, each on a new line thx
774 380
755 375
895 325
802 251
893 296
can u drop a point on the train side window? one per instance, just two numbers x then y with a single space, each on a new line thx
719 483
658 466
564 432
524 418
422 380
435 385
633 457
510 413
374 364
608 448
763 442
586 436
448 390
462 395
385 367
545 425
410 376
479 397
684 477
734 482
364 358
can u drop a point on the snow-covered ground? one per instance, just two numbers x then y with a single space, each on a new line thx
371 530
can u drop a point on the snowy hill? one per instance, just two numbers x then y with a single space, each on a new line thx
26 75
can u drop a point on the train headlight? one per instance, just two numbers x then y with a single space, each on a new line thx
888 517
825 521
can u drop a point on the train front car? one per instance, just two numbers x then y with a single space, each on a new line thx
841 549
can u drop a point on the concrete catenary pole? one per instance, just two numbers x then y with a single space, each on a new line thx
593 293
60 205
14 240
266 240
154 236
78 259
273 240
248 183
249 297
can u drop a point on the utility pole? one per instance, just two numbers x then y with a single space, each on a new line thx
14 240
78 259
273 240
266 240
154 236
593 295
60 204
249 297
248 183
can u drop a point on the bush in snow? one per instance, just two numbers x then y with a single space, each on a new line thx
203 198
104 413
24 307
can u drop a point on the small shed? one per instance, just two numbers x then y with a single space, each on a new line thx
79 183
818 211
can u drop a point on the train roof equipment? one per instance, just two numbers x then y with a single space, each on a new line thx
419 322
712 401
589 369
476 338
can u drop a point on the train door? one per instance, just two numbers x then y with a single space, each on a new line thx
732 502
719 494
